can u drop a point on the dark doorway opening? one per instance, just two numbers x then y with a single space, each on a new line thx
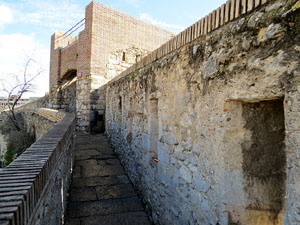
68 91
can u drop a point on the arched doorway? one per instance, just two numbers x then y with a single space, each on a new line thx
68 91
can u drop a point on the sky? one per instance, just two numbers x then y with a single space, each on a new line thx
26 27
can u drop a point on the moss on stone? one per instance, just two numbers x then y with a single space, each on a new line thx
132 76
296 6
270 16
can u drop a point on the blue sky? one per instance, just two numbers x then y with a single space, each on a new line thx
27 25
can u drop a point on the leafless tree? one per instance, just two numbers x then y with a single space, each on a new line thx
15 87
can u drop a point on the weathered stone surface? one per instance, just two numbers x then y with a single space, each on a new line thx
40 175
200 183
102 193
83 194
103 157
131 218
146 141
104 207
254 19
115 191
272 31
163 153
87 163
209 67
73 221
77 171
212 159
98 181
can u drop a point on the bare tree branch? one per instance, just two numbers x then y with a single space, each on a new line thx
15 92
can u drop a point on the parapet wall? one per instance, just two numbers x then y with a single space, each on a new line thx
36 104
207 127
34 122
40 120
34 187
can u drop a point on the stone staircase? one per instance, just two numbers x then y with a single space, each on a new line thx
101 193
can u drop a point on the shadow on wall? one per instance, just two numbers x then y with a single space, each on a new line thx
264 161
97 116
68 91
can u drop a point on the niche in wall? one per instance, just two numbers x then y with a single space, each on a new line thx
264 161
120 107
153 125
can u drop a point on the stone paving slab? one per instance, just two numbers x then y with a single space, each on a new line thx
100 191
132 218
115 191
98 181
105 207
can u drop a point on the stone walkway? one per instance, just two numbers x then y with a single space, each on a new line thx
101 192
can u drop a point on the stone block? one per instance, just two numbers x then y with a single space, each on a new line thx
146 141
199 183
209 67
185 174
163 153
232 187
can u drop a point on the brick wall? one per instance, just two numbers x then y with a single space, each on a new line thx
69 56
112 30
106 30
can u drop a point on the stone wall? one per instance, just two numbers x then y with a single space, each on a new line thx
34 122
34 187
118 62
36 104
40 121
207 125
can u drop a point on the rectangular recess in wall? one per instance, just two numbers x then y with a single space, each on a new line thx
264 161
153 126
120 106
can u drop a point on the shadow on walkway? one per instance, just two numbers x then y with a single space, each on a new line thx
101 193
